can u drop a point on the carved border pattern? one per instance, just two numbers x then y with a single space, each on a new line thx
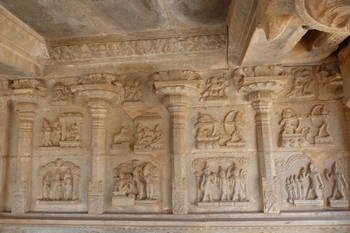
139 47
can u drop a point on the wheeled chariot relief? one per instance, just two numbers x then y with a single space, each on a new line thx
297 130
307 185
148 134
221 181
135 183
211 134
60 181
215 88
64 131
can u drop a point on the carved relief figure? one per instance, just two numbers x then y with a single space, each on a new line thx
60 181
133 91
302 84
304 187
62 132
305 131
210 134
339 185
147 138
215 88
121 140
218 182
135 181
61 93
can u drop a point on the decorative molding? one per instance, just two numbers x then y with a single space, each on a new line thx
134 48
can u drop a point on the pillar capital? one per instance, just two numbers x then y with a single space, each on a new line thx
99 88
177 92
26 90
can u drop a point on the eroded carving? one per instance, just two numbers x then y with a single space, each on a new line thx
220 181
27 84
212 134
61 93
122 139
215 88
136 182
148 133
303 83
339 184
65 131
132 90
305 130
59 181
138 47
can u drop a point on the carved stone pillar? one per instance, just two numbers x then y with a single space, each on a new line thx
4 113
261 95
98 96
178 96
344 57
26 94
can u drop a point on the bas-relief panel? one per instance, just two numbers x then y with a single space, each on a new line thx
222 135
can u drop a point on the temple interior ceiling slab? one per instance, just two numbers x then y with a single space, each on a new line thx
174 116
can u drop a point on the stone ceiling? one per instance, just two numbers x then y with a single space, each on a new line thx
59 37
76 18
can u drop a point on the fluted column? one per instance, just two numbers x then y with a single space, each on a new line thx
26 94
99 97
21 198
178 96
261 95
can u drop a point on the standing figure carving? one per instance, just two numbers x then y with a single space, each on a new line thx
339 182
220 183
135 181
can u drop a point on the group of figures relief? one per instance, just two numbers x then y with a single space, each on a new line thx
305 131
60 180
215 88
62 132
211 134
220 182
135 181
148 136
307 186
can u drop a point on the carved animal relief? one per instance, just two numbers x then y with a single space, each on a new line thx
65 131
122 139
135 183
60 182
220 181
309 130
148 133
211 134
215 88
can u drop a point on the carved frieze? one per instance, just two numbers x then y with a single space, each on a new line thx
122 139
132 91
305 130
60 182
135 183
138 47
336 179
221 181
211 133
62 94
64 131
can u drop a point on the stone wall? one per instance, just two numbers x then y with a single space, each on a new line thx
251 143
